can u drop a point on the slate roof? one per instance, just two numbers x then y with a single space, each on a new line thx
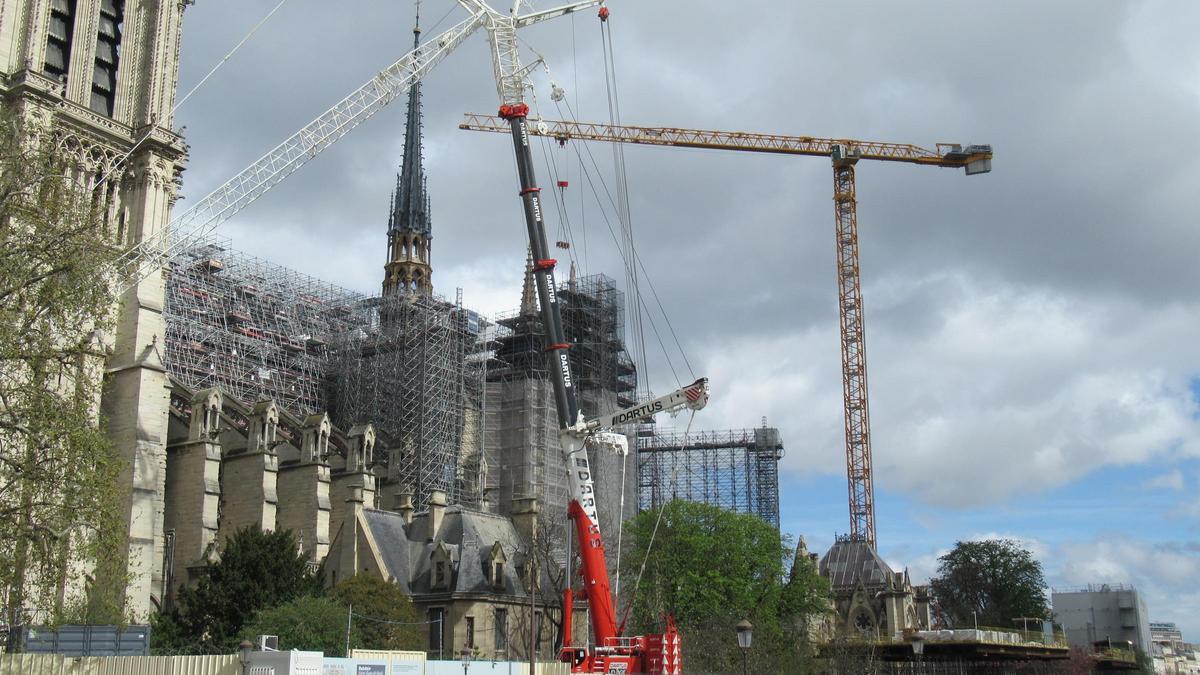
849 561
468 537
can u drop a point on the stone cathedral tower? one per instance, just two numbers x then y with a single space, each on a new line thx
409 269
101 74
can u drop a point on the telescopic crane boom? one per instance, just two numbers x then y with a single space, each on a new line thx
844 153
613 653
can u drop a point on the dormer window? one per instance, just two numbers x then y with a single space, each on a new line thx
495 566
440 570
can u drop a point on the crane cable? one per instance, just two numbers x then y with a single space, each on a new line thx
628 256
171 115
636 256
624 214
631 260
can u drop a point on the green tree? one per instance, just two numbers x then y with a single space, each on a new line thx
384 617
996 579
257 570
59 493
307 623
711 568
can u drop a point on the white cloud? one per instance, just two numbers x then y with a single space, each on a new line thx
1164 573
1171 480
998 390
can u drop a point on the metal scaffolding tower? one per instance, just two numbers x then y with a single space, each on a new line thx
735 469
255 329
521 430
410 366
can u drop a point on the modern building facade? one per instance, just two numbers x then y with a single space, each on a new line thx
1166 634
1102 612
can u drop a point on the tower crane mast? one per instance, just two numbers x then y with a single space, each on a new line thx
844 154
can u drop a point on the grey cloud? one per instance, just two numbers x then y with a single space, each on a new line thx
1088 211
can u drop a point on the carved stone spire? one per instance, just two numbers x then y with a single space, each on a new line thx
529 306
409 267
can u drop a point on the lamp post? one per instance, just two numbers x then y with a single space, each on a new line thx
466 660
244 654
745 632
918 647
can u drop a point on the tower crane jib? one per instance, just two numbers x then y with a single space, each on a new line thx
844 154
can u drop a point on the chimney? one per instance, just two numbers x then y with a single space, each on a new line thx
524 516
437 510
404 504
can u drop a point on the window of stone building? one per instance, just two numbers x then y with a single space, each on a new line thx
501 629
58 39
537 630
440 569
437 617
863 622
108 47
470 643
495 566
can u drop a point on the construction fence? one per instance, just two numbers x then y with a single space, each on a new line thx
230 664
56 664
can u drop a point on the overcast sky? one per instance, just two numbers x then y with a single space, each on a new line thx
1031 332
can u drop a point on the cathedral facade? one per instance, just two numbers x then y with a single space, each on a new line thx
100 77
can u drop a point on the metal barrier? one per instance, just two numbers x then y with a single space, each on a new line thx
57 664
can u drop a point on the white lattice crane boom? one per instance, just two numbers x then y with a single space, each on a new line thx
197 222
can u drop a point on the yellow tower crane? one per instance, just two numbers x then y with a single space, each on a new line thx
844 153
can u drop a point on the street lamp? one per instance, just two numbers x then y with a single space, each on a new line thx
745 632
466 660
244 654
918 647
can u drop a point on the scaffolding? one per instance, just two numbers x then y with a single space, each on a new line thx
593 312
411 366
734 469
521 426
255 329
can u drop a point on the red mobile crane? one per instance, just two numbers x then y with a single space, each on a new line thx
613 652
